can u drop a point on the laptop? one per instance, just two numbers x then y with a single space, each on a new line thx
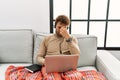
60 63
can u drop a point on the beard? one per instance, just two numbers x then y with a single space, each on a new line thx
58 34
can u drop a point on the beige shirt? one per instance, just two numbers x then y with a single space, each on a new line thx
54 45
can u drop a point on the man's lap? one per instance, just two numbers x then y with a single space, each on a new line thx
20 73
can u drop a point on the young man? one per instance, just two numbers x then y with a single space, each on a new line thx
59 43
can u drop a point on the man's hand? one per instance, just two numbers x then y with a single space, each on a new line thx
64 33
44 62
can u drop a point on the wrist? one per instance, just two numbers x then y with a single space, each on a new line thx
69 39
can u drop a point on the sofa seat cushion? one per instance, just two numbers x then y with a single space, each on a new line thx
3 68
86 68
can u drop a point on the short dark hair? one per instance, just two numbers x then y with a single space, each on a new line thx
63 19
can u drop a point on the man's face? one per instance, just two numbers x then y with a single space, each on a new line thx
58 27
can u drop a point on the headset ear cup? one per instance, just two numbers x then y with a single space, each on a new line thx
55 26
67 27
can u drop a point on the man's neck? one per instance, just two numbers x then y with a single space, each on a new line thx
60 37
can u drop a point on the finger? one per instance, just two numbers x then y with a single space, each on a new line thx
61 31
63 28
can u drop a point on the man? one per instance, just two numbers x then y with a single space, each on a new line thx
59 43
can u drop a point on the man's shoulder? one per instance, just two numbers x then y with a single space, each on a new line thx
49 36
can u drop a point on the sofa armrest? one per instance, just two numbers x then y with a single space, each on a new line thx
108 65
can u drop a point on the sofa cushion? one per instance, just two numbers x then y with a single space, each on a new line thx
86 43
37 40
88 49
86 68
16 45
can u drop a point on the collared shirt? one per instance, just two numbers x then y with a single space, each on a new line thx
54 45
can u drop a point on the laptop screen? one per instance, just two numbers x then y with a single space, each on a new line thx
60 63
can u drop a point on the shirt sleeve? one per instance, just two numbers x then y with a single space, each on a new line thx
41 52
73 46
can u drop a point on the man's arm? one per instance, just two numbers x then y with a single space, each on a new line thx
72 44
41 53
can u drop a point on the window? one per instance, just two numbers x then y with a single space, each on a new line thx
61 7
98 29
91 17
79 9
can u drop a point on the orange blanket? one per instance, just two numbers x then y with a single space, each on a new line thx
20 73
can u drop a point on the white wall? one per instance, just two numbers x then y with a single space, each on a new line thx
25 14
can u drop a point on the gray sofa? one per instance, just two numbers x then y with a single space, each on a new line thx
19 47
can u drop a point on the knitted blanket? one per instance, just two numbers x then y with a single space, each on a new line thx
20 73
